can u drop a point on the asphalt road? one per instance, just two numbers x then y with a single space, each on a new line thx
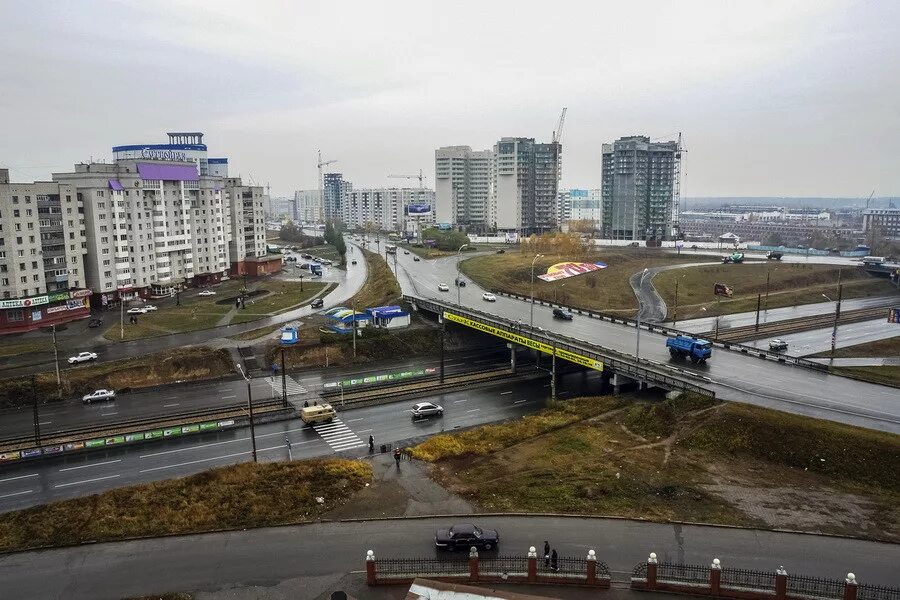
819 340
40 482
269 556
159 402
732 375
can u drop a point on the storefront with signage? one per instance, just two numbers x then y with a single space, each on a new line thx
18 315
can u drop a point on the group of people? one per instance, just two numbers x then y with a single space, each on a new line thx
551 558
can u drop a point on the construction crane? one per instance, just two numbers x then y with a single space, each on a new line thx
420 177
557 133
321 164
869 199
557 142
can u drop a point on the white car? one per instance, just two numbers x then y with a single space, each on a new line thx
488 297
443 287
207 293
82 357
426 409
149 308
137 310
99 395
778 345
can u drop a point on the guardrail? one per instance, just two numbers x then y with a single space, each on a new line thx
619 362
673 331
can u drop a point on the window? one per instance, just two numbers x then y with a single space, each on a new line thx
107 273
100 194
5 281
37 278
16 211
23 279
28 211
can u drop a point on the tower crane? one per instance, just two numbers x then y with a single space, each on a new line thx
420 177
557 142
321 164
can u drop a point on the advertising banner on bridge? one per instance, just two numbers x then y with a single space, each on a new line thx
527 342
564 270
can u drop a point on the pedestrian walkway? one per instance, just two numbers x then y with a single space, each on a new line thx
338 436
293 386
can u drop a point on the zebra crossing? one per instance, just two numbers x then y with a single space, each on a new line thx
293 386
338 436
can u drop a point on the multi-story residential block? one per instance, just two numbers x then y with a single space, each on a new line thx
640 188
247 247
581 206
525 184
387 208
42 247
308 206
882 223
463 180
334 190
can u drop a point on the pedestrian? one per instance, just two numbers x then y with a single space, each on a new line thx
274 370
554 561
371 443
546 553
397 457
306 404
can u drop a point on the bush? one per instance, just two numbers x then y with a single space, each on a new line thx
448 240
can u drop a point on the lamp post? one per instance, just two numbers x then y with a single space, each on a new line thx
534 260
458 289
637 345
250 409
121 317
56 363
837 315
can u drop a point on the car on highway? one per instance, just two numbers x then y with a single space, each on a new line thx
466 535
149 308
98 395
488 297
137 310
207 293
443 287
564 315
406 252
317 303
82 357
416 259
778 345
353 262
460 282
426 409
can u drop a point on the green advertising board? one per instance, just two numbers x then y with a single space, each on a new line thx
381 378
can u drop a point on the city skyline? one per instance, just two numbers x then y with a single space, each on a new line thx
772 99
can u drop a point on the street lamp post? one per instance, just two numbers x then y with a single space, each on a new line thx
637 345
283 379
250 409
121 317
56 363
837 315
675 310
534 260
458 288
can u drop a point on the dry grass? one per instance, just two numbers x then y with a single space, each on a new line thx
255 334
9 347
281 296
240 496
381 287
888 347
885 375
605 290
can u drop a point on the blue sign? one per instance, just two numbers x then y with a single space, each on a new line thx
444 226
418 209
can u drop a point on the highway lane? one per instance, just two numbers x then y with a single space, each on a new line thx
733 376
267 557
782 314
55 417
819 340
34 483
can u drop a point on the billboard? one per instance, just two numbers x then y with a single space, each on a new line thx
894 315
418 209
564 270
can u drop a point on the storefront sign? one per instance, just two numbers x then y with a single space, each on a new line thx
81 293
379 378
7 456
56 309
57 296
24 302
31 452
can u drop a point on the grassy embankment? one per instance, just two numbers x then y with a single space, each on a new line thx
606 290
179 364
12 348
688 459
789 285
241 496
281 296
886 348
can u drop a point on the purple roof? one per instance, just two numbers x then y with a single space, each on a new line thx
168 172
115 184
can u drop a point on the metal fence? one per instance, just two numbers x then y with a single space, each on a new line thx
747 579
639 571
564 566
497 565
802 586
682 573
395 567
866 591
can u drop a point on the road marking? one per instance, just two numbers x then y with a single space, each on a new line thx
109 462
456 364
366 430
227 397
170 397
473 410
22 493
520 401
458 401
193 462
45 422
108 414
86 481
18 477
338 436
352 420
172 404
505 393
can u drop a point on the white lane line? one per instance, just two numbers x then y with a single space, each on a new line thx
193 447
520 401
228 397
473 410
171 404
458 401
193 462
352 420
45 422
18 477
86 481
455 365
170 398
366 430
347 446
108 462
505 393
109 414
22 493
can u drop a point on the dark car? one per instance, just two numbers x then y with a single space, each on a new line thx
501 251
466 535
317 303
460 282
95 322
559 313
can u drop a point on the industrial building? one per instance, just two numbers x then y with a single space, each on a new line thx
882 223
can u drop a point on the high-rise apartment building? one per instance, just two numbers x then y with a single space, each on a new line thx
463 180
386 208
334 189
247 247
525 184
640 188
42 247
308 206
581 206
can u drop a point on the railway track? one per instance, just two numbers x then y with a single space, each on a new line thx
789 326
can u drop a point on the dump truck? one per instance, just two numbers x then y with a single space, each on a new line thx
685 346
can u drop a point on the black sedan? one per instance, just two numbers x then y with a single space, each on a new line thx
466 535
559 313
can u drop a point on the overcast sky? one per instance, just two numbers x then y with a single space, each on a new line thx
798 98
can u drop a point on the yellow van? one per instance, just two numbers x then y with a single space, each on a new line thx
319 413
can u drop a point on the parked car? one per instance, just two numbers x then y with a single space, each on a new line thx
353 262
488 297
564 315
149 308
778 345
99 395
207 293
416 258
82 357
95 323
406 252
137 310
317 303
443 287
466 535
426 409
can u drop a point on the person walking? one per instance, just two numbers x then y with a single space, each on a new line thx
546 553
397 457
371 443
554 561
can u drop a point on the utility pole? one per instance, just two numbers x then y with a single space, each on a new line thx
768 272
56 363
675 310
250 410
553 377
37 421
443 331
121 317
758 300
837 314
283 379
353 309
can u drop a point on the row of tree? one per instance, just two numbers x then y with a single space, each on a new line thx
334 235
449 240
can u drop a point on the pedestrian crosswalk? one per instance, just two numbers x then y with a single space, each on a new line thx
337 435
293 386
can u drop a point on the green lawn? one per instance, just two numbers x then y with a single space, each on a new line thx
282 296
888 347
193 314
885 375
11 348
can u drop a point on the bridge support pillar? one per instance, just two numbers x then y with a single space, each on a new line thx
605 385
512 358
619 382
553 376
